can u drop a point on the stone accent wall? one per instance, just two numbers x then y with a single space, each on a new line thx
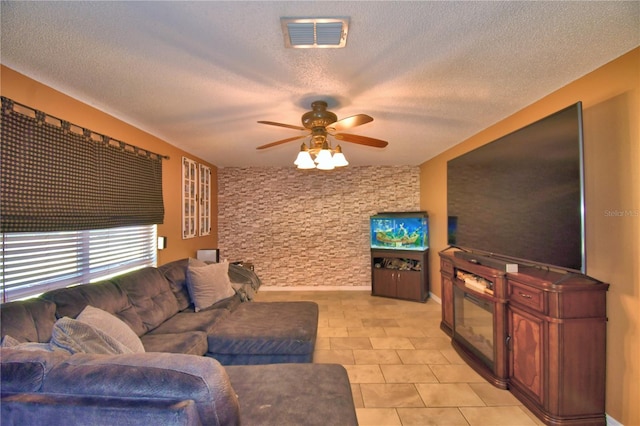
309 228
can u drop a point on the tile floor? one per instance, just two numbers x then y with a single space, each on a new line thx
402 368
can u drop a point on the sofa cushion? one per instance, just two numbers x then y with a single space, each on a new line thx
75 336
293 394
267 328
103 295
28 320
112 326
208 283
176 273
150 376
191 321
190 342
150 294
24 371
46 409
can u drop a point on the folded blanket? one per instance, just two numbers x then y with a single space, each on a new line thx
244 281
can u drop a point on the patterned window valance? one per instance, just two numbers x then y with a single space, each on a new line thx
56 176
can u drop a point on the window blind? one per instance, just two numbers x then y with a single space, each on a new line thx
36 262
57 176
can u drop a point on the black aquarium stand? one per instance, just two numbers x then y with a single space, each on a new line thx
401 274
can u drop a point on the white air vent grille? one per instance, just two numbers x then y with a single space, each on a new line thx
315 32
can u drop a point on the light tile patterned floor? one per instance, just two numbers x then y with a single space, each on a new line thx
402 368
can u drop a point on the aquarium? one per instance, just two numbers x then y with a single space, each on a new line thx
400 231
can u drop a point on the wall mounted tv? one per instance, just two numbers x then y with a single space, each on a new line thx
521 197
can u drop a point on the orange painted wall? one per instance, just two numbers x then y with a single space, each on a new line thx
36 95
611 109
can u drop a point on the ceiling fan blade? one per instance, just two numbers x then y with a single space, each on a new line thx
349 122
362 140
269 145
289 126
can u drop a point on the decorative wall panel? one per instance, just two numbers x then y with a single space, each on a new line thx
189 198
302 228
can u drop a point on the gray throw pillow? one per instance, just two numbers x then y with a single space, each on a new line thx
113 326
78 337
208 284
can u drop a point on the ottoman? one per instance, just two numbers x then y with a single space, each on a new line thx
265 333
293 394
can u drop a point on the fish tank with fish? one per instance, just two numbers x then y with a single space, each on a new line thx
400 230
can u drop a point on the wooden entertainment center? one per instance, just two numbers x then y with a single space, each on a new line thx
549 334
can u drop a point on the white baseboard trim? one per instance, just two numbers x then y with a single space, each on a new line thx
612 422
316 288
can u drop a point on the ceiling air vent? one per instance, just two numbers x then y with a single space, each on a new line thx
315 32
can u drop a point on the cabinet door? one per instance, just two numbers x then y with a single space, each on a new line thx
526 356
384 282
408 285
447 302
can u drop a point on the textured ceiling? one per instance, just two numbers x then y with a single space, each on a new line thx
200 74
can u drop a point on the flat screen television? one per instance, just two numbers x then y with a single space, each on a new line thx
521 197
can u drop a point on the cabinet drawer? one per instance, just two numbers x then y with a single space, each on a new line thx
527 296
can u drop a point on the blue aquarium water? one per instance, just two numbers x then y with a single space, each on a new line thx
400 231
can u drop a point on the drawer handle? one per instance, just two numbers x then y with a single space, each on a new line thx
526 296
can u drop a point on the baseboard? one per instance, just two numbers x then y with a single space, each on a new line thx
316 288
612 422
331 288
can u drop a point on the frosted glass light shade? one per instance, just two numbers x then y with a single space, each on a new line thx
324 156
339 160
326 164
304 160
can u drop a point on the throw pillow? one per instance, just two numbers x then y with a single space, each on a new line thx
76 336
208 284
112 326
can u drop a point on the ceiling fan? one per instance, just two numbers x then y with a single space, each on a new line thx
320 123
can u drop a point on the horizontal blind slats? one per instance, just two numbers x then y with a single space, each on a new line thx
33 263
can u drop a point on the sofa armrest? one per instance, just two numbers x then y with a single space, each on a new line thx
25 370
150 376
44 409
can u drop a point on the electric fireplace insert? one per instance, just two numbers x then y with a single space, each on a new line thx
473 325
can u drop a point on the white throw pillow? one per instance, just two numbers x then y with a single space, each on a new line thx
208 284
112 326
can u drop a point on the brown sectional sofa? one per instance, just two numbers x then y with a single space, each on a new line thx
171 383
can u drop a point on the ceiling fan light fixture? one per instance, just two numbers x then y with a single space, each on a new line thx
323 158
319 124
314 33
